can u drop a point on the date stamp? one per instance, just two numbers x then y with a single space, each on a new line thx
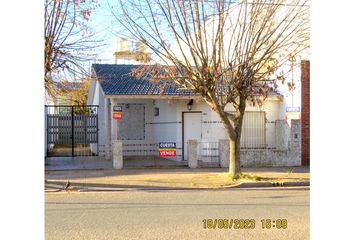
244 223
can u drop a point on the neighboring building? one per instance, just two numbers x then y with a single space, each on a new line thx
151 115
131 53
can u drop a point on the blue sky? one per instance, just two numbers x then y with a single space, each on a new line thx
106 28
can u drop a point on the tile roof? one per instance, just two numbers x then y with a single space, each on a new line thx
116 79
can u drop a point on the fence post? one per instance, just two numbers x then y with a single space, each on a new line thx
117 154
224 153
282 131
114 125
295 142
108 117
192 153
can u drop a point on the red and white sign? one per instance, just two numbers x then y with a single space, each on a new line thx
117 115
167 153
167 149
117 112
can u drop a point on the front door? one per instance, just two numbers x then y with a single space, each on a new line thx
192 129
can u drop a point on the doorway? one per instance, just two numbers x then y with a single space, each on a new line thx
191 129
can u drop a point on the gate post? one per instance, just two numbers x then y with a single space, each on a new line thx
192 153
108 117
114 122
117 154
224 153
282 132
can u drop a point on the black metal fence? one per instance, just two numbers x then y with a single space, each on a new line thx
72 130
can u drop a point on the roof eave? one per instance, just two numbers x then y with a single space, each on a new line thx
151 96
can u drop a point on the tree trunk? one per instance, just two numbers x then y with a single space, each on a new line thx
235 142
234 166
235 160
234 133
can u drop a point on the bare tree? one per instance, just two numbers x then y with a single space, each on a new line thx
69 42
75 92
229 52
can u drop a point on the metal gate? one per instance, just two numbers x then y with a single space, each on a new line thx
71 130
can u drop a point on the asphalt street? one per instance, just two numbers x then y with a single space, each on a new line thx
176 214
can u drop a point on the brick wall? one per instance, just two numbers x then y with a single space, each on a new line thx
305 112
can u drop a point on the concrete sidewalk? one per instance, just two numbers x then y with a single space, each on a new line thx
100 163
171 179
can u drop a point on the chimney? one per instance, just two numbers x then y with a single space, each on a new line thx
138 55
122 49
122 45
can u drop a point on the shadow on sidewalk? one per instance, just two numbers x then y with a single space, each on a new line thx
83 174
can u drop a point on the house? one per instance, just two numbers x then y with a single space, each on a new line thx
151 116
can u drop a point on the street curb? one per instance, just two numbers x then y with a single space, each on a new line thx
271 184
240 186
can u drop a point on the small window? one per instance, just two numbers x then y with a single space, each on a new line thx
156 112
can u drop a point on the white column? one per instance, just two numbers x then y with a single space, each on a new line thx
117 154
282 135
192 153
108 117
114 122
117 145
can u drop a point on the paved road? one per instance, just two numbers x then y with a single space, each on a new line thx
175 214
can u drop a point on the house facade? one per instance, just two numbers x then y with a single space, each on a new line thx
150 116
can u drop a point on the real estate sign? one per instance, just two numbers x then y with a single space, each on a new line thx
293 113
117 112
167 149
292 109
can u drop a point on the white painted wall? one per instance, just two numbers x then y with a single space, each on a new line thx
167 127
98 99
164 127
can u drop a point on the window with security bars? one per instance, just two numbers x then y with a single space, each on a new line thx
253 130
132 124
